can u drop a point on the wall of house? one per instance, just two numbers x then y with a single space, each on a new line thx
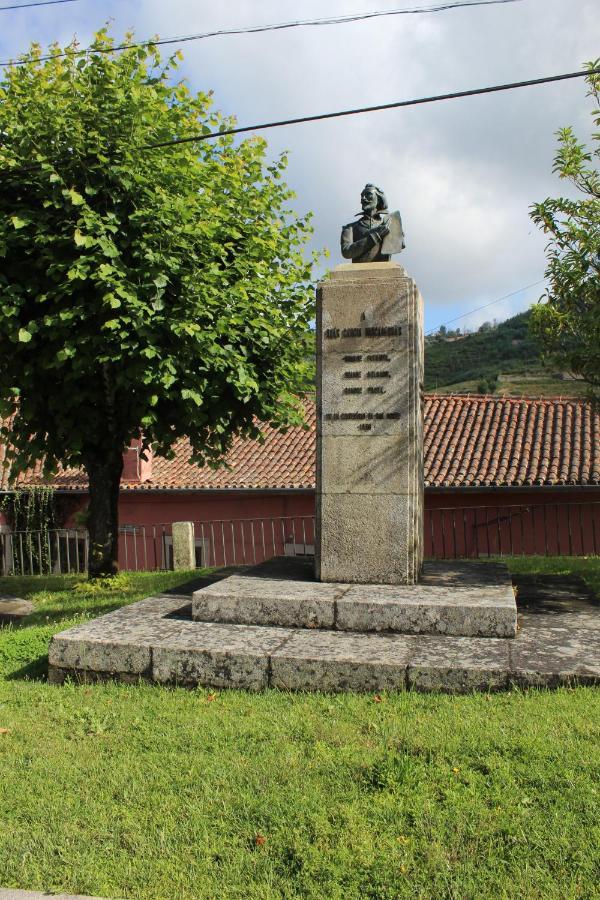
239 527
231 528
472 523
196 506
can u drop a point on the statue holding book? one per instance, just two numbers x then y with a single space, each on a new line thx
377 234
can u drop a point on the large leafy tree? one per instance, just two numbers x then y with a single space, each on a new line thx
153 291
567 322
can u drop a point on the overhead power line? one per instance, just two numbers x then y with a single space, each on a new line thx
379 108
38 3
257 29
485 306
7 171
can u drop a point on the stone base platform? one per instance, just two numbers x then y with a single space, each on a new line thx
452 598
156 640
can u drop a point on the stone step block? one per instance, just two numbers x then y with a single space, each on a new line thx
156 640
452 598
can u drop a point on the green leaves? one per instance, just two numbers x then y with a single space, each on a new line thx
167 290
20 222
568 323
188 394
74 196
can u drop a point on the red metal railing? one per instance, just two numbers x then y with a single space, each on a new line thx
556 529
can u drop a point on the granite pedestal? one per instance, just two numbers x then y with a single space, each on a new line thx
369 496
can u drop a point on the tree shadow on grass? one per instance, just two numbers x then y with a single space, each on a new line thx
34 670
54 615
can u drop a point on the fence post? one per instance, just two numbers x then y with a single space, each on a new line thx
184 552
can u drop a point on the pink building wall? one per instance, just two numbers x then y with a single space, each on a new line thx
241 526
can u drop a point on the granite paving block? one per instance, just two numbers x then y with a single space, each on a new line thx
556 601
10 894
270 601
156 639
216 655
119 641
575 616
461 599
548 655
462 574
481 610
339 661
458 665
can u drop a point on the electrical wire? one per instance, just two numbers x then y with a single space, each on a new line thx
485 306
348 112
37 3
257 29
367 109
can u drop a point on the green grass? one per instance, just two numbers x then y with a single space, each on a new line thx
142 791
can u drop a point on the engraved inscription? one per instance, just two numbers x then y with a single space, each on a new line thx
359 416
355 372
383 331
371 331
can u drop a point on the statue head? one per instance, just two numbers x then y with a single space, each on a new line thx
372 199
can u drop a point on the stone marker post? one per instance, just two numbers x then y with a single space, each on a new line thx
369 426
184 552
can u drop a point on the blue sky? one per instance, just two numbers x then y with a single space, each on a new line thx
463 173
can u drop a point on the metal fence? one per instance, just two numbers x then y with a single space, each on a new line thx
219 542
550 529
56 552
557 529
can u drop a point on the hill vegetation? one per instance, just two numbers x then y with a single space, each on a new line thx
497 359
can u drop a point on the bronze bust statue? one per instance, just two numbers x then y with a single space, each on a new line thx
377 234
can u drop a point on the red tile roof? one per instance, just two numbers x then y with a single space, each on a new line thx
469 442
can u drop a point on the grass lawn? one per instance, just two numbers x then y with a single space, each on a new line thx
143 791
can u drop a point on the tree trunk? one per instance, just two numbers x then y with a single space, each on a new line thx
104 476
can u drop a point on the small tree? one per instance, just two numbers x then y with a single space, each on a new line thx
568 322
153 290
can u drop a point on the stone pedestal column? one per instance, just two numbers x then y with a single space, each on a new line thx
369 426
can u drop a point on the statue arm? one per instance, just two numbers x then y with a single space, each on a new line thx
352 249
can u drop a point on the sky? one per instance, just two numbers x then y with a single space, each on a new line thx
463 173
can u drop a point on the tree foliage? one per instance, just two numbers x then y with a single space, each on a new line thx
161 290
568 322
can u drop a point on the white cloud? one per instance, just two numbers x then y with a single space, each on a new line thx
463 173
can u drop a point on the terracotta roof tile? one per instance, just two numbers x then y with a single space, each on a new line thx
468 441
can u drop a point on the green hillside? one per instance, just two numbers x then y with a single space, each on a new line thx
504 359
